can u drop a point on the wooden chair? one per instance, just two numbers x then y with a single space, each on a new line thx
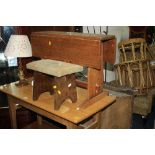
132 50
134 69
136 75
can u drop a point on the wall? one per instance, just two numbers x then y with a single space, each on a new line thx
120 32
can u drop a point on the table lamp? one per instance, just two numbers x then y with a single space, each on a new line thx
19 46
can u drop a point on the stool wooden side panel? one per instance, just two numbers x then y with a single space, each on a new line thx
64 87
42 83
61 87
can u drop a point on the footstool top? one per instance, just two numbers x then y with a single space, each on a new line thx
53 67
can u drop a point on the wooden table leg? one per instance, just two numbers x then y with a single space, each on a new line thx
70 125
98 120
12 112
39 120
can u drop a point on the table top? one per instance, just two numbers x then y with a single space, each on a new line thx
70 111
90 36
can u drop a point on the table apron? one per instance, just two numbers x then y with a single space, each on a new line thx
14 100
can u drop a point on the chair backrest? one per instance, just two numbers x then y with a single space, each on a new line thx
132 50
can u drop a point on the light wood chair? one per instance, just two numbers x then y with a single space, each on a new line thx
132 50
136 75
134 69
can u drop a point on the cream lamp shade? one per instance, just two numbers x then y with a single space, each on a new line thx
18 46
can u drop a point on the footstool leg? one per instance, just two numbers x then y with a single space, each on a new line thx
71 84
59 86
64 87
42 83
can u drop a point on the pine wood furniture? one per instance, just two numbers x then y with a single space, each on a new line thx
70 115
83 49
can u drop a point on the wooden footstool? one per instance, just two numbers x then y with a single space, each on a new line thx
57 77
